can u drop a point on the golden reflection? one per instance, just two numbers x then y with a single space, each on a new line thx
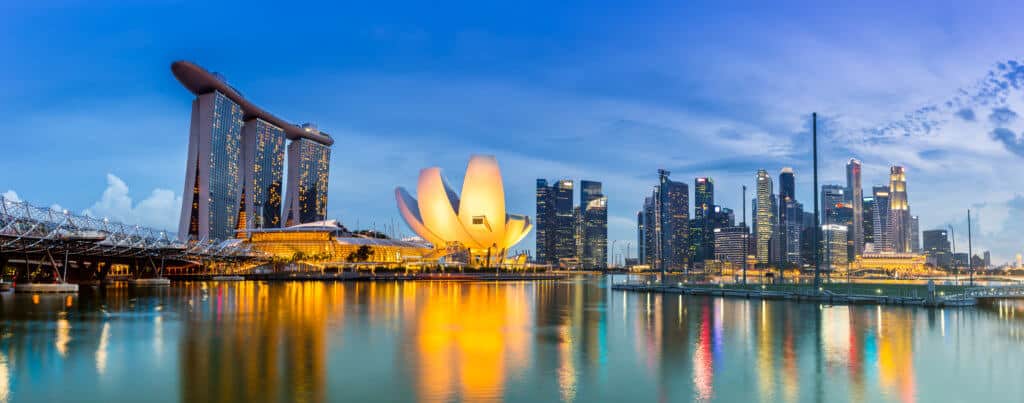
5 378
896 354
765 354
101 350
63 337
468 338
703 370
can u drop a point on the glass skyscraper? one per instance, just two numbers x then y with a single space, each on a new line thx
764 216
263 154
703 237
308 175
855 197
213 175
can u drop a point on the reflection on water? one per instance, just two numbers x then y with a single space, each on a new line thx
572 340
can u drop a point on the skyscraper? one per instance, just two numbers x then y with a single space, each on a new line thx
868 223
545 222
764 227
790 218
309 164
880 219
835 246
652 231
594 226
855 195
937 248
833 197
899 210
640 230
263 159
731 244
915 234
703 240
232 177
674 215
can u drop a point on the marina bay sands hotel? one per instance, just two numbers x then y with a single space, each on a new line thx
236 153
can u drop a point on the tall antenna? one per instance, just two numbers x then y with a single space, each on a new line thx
970 251
746 235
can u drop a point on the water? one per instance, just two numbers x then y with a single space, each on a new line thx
572 340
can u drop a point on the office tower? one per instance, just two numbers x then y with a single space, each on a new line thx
763 226
674 216
855 197
652 232
703 238
807 236
835 237
545 219
899 210
937 248
577 235
790 218
832 198
564 229
731 244
640 228
792 227
309 164
1020 261
868 223
263 162
594 226
723 217
986 260
915 234
880 219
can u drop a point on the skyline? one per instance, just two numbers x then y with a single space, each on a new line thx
397 90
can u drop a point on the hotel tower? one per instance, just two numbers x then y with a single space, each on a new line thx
235 169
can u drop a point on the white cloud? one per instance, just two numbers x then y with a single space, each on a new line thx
160 210
11 196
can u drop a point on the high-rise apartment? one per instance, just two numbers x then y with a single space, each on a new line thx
855 198
764 215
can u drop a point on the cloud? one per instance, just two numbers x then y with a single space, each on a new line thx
160 210
11 195
1010 140
1002 116
966 114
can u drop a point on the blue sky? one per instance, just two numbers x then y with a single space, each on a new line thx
584 90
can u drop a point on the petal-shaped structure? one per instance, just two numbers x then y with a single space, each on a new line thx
477 220
439 208
482 206
410 210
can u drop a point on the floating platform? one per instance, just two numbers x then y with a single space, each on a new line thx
37 288
149 282
227 278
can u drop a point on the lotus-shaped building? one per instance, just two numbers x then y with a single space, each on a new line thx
475 220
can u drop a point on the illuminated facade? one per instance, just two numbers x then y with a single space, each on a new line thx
673 211
835 237
900 263
899 211
855 197
556 222
763 224
475 220
263 156
235 157
880 219
702 239
213 177
309 164
327 242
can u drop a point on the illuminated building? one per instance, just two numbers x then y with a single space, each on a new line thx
309 164
556 222
937 248
899 210
263 157
594 226
868 222
329 242
731 244
673 211
1020 261
764 216
915 234
790 218
651 246
702 239
835 237
898 263
545 218
880 219
234 150
474 221
855 198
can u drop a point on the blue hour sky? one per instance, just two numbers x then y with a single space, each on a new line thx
584 90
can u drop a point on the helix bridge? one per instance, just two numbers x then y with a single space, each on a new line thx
34 239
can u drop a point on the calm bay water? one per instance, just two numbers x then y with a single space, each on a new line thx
573 340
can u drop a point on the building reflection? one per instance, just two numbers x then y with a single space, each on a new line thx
255 342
